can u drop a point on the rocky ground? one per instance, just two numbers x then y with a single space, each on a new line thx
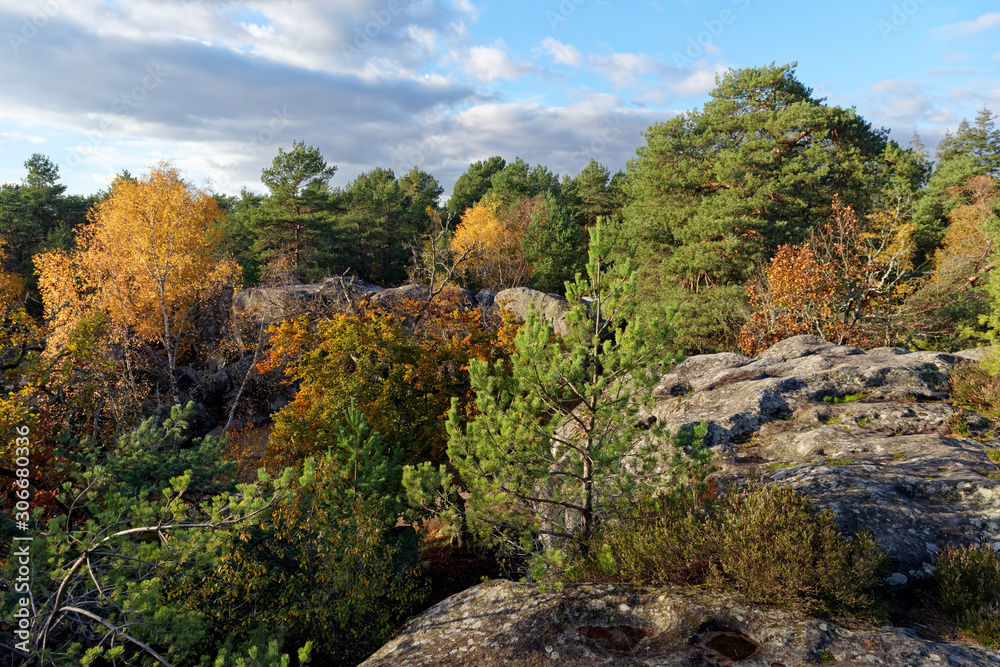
872 436
502 623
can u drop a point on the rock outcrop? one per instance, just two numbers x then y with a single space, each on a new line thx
501 623
870 435
551 307
274 304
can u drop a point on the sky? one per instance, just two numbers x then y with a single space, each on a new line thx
217 86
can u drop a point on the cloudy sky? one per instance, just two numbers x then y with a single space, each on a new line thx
217 86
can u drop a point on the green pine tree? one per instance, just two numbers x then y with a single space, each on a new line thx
715 192
553 245
556 443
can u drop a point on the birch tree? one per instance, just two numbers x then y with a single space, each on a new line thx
148 258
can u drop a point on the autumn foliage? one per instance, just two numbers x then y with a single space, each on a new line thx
489 237
844 284
148 259
401 365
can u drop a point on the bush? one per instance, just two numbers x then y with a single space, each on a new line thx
767 542
973 386
968 591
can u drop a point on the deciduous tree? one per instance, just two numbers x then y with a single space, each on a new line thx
843 284
149 259
491 236
401 368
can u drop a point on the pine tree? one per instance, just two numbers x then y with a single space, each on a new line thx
473 185
973 150
714 193
553 245
291 220
555 441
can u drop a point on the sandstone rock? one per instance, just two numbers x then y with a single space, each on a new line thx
395 296
277 303
486 298
552 307
976 354
866 435
502 623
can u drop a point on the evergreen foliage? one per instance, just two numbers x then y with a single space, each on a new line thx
553 246
714 192
197 570
472 185
554 443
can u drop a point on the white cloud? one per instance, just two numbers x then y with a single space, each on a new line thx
563 54
624 69
900 99
700 81
82 86
968 28
467 7
491 63
654 80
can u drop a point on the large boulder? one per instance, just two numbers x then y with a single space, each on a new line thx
552 307
504 623
870 435
273 304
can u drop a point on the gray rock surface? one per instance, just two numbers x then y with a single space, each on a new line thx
501 623
486 298
867 435
552 307
277 303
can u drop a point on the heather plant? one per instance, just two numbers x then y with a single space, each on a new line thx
974 387
767 542
968 590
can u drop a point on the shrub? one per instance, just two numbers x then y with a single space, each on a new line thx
968 590
974 387
767 542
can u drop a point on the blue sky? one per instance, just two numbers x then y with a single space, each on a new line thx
216 86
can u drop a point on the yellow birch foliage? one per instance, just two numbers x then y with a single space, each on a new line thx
148 259
490 239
